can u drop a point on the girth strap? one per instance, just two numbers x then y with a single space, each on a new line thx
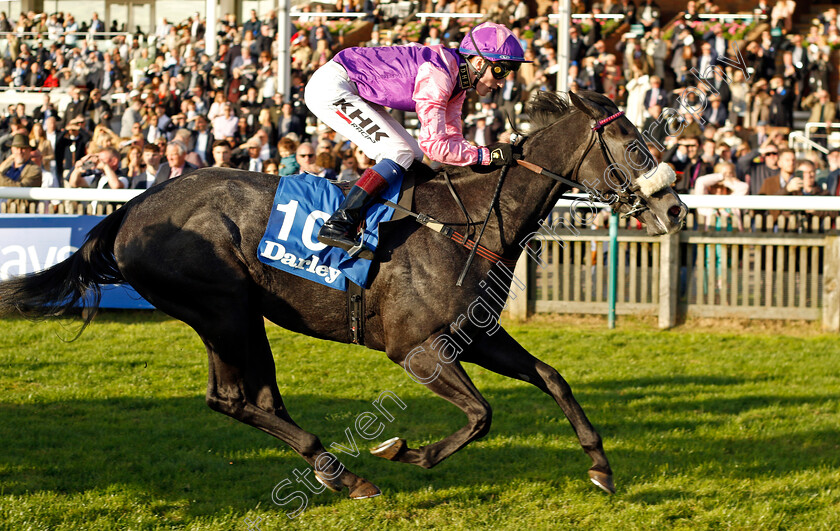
356 312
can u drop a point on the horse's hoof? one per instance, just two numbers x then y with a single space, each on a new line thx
329 483
602 480
390 449
365 490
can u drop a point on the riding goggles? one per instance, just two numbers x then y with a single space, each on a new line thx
500 69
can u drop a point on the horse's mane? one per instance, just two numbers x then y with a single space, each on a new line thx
545 108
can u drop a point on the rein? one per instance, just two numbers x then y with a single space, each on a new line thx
638 204
475 246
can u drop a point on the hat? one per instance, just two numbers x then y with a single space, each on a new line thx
20 141
494 42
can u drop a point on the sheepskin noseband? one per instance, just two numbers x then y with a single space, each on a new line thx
663 176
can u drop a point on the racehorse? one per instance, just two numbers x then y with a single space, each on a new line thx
189 246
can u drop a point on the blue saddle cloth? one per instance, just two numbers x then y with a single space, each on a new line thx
302 204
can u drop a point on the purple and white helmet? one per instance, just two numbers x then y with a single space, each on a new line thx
494 42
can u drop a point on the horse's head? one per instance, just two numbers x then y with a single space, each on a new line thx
614 161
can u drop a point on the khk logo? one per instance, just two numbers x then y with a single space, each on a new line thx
349 113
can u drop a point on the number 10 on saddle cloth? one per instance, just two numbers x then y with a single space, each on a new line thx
301 205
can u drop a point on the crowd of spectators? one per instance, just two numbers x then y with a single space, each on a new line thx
147 107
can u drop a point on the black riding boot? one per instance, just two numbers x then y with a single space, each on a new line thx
340 230
342 227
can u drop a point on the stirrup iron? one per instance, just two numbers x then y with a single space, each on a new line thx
361 250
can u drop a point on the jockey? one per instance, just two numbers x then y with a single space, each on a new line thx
349 94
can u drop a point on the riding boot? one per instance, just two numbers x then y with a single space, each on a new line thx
342 227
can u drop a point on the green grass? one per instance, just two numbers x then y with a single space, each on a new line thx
706 428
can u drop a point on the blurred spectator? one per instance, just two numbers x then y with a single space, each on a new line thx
656 51
626 8
716 113
226 124
39 141
286 149
708 153
577 45
270 166
319 31
822 111
45 110
305 157
202 140
687 163
176 163
250 156
653 129
349 167
591 75
480 133
288 122
716 40
221 154
76 107
508 96
18 170
833 177
759 165
130 117
99 170
786 181
326 161
722 182
71 145
782 13
656 95
781 103
252 25
97 109
519 13
649 15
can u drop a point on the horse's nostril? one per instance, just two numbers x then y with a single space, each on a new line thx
675 212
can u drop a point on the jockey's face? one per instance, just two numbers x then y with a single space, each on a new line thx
486 82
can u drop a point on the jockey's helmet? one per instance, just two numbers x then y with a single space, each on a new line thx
496 44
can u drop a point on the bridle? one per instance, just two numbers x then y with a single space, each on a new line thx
622 196
627 195
637 202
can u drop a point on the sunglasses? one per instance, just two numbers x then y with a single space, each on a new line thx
772 154
307 155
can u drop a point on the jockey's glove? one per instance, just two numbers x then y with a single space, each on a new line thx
500 154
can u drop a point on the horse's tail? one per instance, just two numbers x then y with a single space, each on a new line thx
56 290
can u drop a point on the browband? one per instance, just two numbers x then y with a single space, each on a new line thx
601 123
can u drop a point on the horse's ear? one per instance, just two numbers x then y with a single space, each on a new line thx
590 108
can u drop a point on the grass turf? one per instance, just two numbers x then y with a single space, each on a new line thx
706 428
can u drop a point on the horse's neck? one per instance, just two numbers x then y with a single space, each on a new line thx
529 199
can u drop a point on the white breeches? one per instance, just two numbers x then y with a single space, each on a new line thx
334 99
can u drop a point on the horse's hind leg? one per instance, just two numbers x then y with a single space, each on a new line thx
243 385
449 381
501 354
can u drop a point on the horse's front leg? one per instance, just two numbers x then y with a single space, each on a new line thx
450 382
501 354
